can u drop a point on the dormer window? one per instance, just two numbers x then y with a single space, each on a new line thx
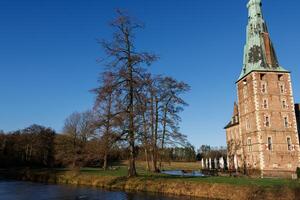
280 77
262 77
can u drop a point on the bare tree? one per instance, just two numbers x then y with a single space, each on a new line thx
171 104
144 113
109 120
126 64
79 128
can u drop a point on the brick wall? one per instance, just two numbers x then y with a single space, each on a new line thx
253 117
297 108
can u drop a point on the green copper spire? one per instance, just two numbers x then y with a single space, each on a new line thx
259 53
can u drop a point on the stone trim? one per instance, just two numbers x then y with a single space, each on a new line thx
294 119
258 121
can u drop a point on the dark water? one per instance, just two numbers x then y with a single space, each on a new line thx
18 190
181 173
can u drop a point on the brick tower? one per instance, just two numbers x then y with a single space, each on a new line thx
267 126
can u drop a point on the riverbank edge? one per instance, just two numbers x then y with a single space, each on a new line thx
161 185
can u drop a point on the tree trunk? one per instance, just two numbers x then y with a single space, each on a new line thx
147 159
155 151
153 142
26 152
105 161
107 133
132 169
146 141
30 153
163 135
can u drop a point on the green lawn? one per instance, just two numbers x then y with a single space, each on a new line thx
268 182
121 171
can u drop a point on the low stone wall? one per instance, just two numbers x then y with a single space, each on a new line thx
160 185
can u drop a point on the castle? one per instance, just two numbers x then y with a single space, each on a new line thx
262 135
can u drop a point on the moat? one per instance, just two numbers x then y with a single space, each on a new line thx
19 190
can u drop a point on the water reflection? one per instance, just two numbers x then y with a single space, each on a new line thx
183 173
17 190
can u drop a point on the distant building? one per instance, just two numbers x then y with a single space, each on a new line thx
262 134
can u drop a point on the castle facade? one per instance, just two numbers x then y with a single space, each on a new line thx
262 135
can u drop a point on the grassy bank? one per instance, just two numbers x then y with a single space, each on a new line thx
208 187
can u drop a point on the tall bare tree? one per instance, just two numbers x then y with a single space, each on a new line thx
126 63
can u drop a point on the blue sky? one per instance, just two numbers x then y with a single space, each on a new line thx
48 54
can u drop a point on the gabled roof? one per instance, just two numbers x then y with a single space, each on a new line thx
235 117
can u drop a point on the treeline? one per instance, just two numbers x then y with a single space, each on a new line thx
32 146
38 146
206 151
